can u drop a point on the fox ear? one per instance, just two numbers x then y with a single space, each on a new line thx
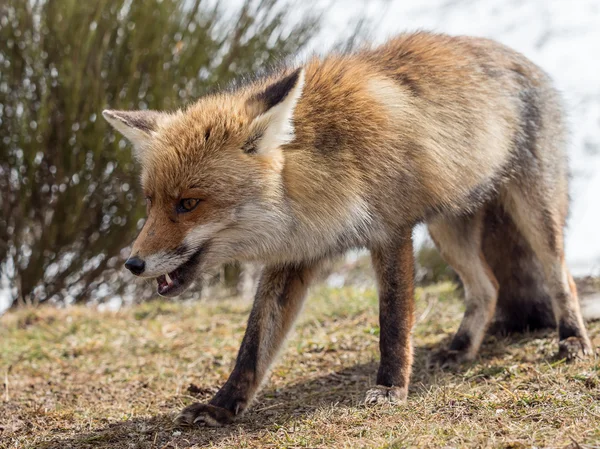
272 111
137 126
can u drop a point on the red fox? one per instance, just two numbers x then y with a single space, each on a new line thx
352 151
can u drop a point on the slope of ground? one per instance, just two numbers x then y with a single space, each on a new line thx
80 378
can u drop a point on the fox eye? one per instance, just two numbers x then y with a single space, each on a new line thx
187 205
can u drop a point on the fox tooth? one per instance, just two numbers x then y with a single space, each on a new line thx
168 278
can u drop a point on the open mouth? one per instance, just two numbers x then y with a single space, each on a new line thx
175 282
168 283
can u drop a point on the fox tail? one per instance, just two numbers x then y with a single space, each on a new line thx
523 299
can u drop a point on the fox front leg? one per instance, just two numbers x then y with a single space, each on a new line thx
279 298
394 268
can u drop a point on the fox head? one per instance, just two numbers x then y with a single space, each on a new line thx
211 175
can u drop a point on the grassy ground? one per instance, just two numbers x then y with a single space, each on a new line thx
82 378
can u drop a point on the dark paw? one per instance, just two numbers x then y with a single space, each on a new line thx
385 395
446 359
573 348
204 415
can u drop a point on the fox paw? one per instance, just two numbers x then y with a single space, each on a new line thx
446 359
573 348
204 415
385 395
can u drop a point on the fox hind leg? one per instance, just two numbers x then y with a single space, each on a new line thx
542 223
459 242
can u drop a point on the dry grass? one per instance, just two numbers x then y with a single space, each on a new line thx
82 378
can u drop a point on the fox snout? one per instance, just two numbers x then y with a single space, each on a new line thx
135 265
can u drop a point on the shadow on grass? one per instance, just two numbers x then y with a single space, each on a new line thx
277 407
274 408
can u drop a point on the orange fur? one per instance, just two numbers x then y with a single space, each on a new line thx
353 150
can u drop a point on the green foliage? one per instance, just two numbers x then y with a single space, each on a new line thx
69 197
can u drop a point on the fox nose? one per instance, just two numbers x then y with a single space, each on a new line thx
135 265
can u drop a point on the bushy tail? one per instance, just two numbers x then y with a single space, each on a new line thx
523 299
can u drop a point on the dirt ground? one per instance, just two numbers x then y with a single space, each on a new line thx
82 378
